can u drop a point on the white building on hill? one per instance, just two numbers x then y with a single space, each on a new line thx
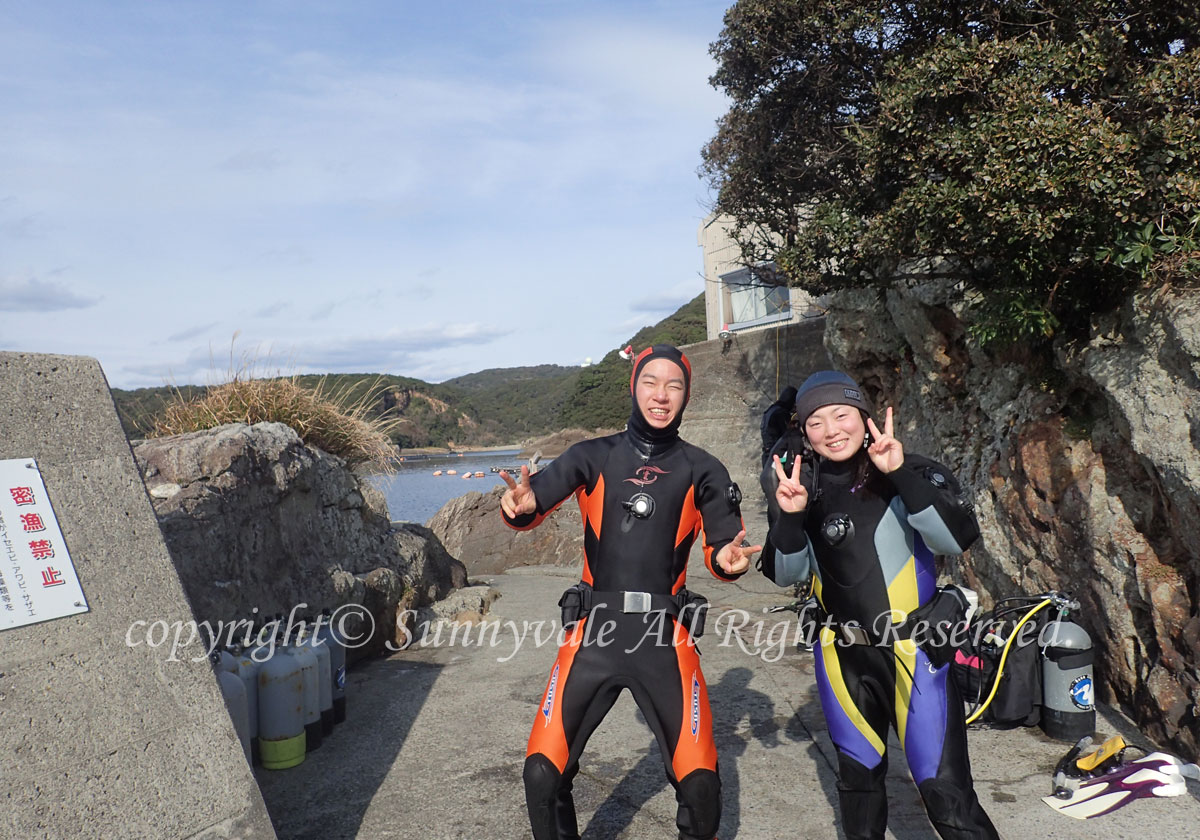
738 299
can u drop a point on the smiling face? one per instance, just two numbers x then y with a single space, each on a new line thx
659 392
836 432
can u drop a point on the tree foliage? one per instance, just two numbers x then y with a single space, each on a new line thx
1022 147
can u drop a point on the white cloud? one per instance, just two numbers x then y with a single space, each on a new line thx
296 159
35 295
415 352
194 332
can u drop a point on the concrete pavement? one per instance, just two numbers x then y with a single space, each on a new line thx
435 738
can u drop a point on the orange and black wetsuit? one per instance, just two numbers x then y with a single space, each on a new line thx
619 644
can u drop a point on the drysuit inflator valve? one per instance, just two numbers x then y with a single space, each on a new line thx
641 505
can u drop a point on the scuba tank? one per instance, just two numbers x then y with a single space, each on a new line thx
337 666
306 660
1068 707
281 733
224 660
248 665
324 681
234 693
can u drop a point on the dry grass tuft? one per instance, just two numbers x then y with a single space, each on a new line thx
337 422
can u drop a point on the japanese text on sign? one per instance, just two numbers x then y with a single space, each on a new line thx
37 577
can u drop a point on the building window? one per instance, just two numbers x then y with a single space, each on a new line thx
751 298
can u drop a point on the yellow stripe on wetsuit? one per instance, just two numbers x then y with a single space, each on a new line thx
904 598
833 672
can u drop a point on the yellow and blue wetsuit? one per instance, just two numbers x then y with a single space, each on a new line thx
869 541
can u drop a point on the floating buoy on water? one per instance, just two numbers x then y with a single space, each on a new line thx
437 472
479 474
466 475
451 472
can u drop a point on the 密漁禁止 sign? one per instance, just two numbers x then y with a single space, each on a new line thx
37 578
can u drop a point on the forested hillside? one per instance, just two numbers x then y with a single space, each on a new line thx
494 406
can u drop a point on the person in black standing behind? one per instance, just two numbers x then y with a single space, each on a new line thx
775 421
777 429
645 496
864 519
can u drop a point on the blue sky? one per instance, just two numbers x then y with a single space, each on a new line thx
426 189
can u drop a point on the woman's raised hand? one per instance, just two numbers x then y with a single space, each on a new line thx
791 495
886 453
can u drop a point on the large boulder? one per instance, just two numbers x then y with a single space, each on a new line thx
471 528
258 523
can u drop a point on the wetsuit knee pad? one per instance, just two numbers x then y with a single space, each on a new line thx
699 794
542 780
862 795
955 811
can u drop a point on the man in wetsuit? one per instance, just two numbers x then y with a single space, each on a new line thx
645 496
864 519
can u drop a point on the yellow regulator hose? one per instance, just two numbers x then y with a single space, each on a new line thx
1004 656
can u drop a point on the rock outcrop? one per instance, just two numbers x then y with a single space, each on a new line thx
471 528
258 523
1085 473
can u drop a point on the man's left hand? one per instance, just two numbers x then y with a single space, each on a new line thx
734 558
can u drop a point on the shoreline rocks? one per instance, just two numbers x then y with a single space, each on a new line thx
258 523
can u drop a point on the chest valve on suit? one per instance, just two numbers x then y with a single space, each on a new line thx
837 529
639 506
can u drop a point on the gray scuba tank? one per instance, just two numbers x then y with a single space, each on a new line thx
234 693
324 680
307 660
1068 702
281 733
337 665
248 665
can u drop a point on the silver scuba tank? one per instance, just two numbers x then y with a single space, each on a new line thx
234 693
281 734
337 665
324 681
248 665
1068 701
307 660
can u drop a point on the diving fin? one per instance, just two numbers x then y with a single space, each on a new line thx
1157 774
1100 798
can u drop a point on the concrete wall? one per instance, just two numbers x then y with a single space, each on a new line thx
99 739
731 387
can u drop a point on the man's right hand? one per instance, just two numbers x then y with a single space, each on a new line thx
518 499
791 495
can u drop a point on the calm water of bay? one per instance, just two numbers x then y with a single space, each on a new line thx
414 493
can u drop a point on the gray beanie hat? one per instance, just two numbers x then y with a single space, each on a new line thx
828 387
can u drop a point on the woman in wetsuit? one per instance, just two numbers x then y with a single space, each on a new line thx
645 496
864 519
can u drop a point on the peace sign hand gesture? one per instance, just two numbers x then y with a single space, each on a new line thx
791 494
518 499
734 557
886 453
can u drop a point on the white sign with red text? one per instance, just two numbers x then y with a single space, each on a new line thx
37 578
